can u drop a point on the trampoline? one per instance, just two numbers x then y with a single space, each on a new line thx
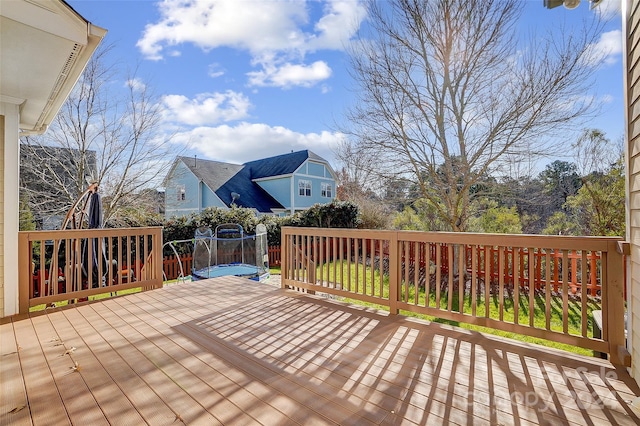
238 270
229 251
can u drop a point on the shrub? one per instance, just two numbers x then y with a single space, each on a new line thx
337 214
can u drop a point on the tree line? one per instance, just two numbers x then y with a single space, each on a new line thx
557 201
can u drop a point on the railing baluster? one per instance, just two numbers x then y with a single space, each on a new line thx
474 278
488 262
364 266
515 260
547 289
427 274
450 289
565 291
438 286
417 267
381 268
350 241
501 274
334 262
462 261
405 264
356 249
584 292
532 289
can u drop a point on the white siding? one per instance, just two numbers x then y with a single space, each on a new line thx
9 160
1 216
632 87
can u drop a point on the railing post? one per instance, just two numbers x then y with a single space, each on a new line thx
24 272
615 305
284 257
394 272
157 258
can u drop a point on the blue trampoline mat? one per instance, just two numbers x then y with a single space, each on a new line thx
236 269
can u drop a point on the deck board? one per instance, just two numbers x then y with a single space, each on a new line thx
43 398
81 405
13 404
104 381
232 351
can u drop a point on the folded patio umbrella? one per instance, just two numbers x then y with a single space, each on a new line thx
95 221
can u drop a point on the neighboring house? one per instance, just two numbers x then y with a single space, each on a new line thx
279 185
53 178
44 47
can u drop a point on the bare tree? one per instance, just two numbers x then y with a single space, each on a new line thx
448 92
595 153
102 134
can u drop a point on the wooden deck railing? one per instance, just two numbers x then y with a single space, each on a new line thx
57 265
481 279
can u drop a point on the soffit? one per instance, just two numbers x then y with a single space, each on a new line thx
44 46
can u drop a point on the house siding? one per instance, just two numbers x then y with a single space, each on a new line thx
2 281
304 202
9 223
279 189
631 26
181 176
210 199
316 169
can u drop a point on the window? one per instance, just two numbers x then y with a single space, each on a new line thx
304 188
181 193
326 190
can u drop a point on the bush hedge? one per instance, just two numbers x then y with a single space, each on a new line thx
337 214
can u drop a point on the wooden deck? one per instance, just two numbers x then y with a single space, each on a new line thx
231 351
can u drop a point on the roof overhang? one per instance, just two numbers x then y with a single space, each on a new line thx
45 46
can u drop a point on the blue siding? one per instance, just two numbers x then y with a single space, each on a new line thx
316 169
210 199
279 188
303 202
181 176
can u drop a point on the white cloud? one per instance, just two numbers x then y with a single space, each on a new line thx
247 142
206 108
607 50
607 99
339 23
276 33
215 70
136 84
253 26
289 75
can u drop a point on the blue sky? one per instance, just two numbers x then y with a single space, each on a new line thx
247 79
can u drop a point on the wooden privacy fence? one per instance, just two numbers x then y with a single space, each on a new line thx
171 266
481 279
75 264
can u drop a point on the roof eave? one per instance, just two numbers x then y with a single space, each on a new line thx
66 81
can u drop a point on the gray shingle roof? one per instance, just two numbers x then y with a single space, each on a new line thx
213 173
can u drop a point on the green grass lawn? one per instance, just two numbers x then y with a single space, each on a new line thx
95 297
374 286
